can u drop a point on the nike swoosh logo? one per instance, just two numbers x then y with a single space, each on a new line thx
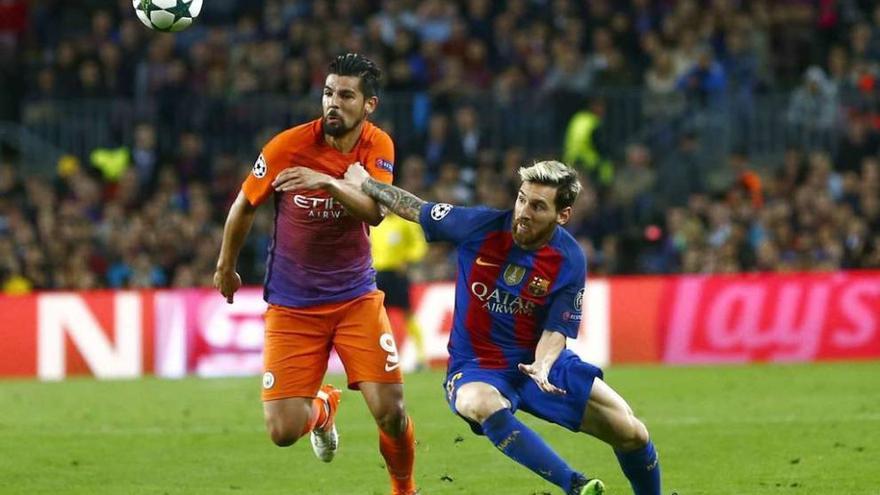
481 262
391 367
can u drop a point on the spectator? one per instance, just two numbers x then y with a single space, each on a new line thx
569 74
704 83
661 100
634 183
439 145
739 176
145 156
471 139
680 176
859 142
584 143
812 112
476 90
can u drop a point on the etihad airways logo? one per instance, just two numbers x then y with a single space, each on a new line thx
500 301
319 207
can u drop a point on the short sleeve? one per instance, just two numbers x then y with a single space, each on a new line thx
380 158
566 308
445 222
274 158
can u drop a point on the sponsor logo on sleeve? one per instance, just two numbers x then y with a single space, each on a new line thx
260 167
383 164
569 316
440 210
579 300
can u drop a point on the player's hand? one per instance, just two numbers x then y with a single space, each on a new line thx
294 178
227 282
539 375
356 174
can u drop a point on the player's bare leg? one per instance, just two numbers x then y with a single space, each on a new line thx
286 419
289 419
477 401
609 418
396 440
482 403
385 401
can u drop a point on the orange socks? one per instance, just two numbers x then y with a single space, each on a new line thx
399 454
318 417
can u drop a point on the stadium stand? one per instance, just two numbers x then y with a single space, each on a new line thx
738 136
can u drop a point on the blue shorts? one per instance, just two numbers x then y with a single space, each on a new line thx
569 373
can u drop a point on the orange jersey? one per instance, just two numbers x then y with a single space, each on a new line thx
319 253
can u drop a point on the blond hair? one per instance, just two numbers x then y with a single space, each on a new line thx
556 174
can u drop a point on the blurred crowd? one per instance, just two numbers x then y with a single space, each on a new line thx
147 211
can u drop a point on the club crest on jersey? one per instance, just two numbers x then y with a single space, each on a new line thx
268 380
260 167
384 165
440 210
514 274
538 286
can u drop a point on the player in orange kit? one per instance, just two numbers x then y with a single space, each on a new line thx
320 284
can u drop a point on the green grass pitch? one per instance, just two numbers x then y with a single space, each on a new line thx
798 429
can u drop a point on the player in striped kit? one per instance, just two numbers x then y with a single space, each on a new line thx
519 295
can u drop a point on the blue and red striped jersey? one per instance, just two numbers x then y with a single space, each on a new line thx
505 296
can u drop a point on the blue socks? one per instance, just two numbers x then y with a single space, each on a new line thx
517 441
524 446
642 469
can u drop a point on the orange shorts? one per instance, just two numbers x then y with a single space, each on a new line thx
298 343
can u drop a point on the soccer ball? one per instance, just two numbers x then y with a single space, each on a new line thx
167 15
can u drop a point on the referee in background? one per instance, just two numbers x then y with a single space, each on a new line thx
397 244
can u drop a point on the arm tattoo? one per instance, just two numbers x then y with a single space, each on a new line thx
405 204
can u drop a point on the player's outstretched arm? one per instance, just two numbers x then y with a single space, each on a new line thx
403 203
356 202
238 224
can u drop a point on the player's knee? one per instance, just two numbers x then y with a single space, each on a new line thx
475 406
633 437
283 437
392 419
282 433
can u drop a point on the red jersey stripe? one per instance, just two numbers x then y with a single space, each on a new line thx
546 264
479 320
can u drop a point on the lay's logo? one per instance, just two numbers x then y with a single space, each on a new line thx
385 165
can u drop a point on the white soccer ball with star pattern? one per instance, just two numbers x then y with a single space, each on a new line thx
167 15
